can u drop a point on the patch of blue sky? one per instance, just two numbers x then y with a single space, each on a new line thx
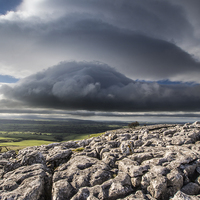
168 82
8 5
8 79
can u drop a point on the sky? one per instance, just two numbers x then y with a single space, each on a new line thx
97 59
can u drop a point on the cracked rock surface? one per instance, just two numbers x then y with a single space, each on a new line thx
152 162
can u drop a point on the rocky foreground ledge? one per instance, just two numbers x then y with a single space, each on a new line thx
154 162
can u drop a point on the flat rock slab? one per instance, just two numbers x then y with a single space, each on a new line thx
80 171
111 189
27 182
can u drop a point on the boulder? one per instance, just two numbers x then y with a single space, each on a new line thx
111 189
158 187
191 188
132 167
27 182
182 196
127 147
140 157
58 153
62 190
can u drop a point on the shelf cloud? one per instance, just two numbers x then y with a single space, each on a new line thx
97 86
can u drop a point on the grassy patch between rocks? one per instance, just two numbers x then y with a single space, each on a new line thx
22 144
79 149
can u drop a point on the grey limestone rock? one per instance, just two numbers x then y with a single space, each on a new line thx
138 143
81 171
127 147
31 158
132 167
58 153
27 182
169 132
140 157
111 189
136 181
182 196
62 189
112 136
158 187
146 179
8 155
139 195
174 181
157 162
189 170
159 170
109 159
191 188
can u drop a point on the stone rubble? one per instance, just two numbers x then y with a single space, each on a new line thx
152 162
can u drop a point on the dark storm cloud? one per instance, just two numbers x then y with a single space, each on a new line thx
132 53
156 18
148 40
96 86
161 18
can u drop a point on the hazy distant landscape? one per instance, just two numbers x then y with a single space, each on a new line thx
16 134
19 133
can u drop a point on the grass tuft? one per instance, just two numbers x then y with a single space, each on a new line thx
79 149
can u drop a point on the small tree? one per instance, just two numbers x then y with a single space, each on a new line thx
133 124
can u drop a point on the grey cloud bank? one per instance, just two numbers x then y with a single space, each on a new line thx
148 40
96 86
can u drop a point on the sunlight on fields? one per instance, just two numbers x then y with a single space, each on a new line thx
26 143
18 134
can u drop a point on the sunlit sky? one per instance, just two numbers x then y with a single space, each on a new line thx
102 60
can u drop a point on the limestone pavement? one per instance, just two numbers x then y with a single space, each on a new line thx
152 162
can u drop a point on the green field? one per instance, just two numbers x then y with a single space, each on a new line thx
18 134
22 144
